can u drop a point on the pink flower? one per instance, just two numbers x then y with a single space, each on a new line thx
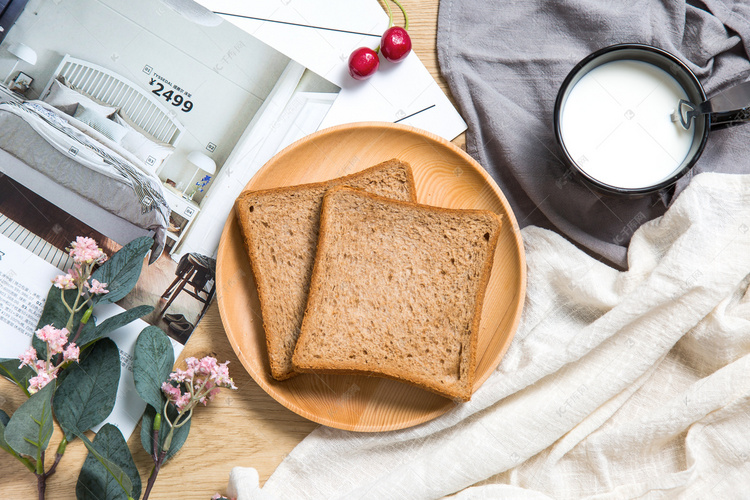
184 375
207 365
55 339
71 353
192 363
176 396
28 358
180 376
170 391
42 379
86 250
203 379
183 401
44 332
220 376
47 371
65 282
96 287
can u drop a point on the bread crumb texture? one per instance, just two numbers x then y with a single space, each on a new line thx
397 291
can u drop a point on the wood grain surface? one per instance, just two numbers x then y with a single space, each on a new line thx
245 428
445 176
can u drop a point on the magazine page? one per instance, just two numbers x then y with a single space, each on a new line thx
117 120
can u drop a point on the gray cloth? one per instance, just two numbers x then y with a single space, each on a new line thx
505 61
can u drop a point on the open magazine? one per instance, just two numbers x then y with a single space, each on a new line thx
136 118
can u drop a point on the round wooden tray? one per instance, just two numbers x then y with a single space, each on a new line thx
445 176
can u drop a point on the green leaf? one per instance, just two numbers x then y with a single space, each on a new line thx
95 482
56 314
29 429
152 362
4 419
113 469
87 394
122 270
19 376
92 333
147 429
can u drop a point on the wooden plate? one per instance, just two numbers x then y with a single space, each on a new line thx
445 176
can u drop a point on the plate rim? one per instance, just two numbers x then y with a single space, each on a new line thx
513 327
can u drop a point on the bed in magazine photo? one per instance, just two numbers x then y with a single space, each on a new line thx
92 145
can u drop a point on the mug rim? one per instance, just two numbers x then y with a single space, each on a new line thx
629 47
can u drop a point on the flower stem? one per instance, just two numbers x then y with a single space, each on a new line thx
41 485
41 476
154 472
155 437
52 469
184 421
78 332
65 302
41 479
73 310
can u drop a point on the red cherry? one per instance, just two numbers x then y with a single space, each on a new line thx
395 44
363 63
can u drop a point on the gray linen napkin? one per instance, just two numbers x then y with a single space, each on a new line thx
505 60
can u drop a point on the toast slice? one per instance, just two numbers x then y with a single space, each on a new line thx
280 230
397 291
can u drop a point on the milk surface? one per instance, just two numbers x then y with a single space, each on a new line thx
616 124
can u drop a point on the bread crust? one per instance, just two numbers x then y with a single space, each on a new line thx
323 366
242 213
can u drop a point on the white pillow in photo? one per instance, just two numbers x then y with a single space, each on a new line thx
147 149
67 99
100 123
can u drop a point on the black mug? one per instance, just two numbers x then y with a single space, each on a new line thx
632 119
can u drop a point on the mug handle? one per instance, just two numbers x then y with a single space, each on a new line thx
730 107
725 109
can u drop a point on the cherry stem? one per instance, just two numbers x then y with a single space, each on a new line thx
403 11
390 14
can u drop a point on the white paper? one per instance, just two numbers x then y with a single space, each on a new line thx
25 279
321 34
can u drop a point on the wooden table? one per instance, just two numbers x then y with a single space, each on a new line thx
244 428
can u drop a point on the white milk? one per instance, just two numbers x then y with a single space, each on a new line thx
616 124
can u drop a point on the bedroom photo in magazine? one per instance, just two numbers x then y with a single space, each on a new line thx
141 118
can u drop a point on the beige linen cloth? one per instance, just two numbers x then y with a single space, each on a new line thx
617 384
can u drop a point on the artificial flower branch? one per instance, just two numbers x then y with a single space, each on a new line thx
201 382
60 350
171 396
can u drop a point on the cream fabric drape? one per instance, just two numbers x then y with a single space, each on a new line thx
628 384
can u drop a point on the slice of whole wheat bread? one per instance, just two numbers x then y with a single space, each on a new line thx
280 230
397 291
